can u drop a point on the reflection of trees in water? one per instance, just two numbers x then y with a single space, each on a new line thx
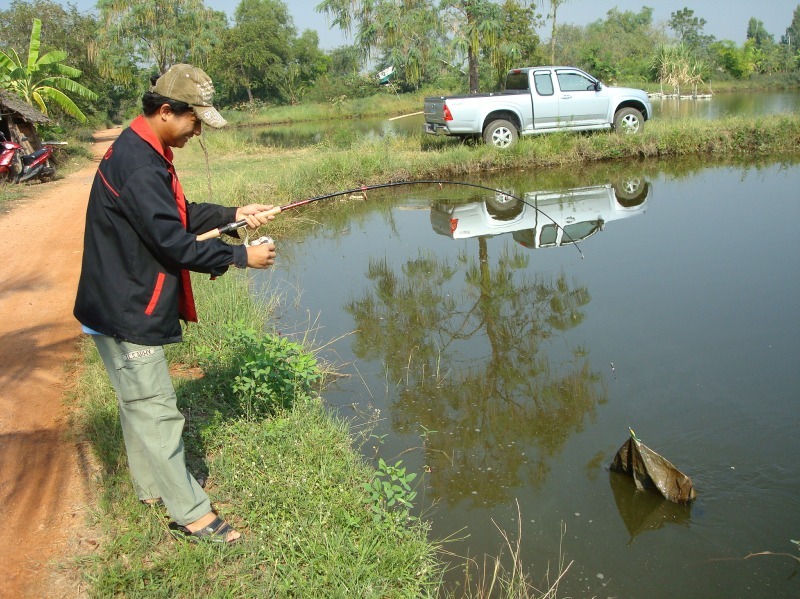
466 357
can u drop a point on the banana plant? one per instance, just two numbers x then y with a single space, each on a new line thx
43 79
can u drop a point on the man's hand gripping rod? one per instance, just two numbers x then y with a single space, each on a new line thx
230 227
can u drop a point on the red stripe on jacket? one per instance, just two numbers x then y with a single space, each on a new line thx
156 294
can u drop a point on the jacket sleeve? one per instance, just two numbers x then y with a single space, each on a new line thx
151 209
205 217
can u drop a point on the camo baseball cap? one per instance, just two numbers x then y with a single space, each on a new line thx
189 84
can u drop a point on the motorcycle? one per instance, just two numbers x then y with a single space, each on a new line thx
18 167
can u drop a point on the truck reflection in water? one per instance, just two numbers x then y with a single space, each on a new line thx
545 218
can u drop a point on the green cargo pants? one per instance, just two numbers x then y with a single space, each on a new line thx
152 427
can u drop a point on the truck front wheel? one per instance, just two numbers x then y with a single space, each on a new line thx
500 134
628 120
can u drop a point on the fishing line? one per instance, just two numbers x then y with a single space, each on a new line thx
201 141
364 188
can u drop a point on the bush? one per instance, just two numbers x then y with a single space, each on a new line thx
269 372
326 89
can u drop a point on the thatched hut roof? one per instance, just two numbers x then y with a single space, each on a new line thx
9 103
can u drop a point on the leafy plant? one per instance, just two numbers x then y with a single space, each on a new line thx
390 491
43 78
270 371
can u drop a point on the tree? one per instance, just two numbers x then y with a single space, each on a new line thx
554 4
476 25
43 78
520 44
404 34
792 36
158 32
738 62
689 29
621 45
791 41
251 61
568 44
520 22
307 63
767 55
759 34
345 61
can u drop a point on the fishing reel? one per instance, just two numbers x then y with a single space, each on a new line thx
261 240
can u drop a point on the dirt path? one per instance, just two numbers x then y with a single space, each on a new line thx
45 479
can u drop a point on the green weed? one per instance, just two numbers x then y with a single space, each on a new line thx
390 491
267 371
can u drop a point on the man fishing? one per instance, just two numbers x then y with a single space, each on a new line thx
140 245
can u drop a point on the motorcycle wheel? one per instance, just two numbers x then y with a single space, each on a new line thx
48 172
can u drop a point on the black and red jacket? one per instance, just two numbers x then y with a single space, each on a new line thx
140 244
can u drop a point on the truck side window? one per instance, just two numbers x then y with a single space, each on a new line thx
573 82
543 83
517 81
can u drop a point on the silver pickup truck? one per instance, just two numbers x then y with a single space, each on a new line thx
539 100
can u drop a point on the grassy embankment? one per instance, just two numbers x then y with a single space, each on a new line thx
288 476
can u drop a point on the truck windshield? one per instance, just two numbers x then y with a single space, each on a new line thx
517 81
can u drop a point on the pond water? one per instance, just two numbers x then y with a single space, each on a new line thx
723 105
342 131
506 366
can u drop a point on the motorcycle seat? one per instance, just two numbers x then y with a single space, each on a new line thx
26 160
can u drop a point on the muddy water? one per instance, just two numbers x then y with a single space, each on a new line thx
506 366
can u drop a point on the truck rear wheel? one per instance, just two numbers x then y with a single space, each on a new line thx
628 120
500 134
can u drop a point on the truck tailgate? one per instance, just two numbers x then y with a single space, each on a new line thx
434 112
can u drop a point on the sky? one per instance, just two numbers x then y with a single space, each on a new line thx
725 19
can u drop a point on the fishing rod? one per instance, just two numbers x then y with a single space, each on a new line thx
230 227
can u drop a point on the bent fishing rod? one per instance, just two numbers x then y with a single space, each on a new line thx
230 227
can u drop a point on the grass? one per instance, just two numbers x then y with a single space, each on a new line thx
292 480
384 103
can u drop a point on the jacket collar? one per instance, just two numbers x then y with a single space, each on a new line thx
142 128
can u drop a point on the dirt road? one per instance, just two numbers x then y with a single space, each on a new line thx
45 479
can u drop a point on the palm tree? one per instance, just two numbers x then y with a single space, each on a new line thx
43 79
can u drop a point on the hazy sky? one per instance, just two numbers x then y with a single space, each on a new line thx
725 19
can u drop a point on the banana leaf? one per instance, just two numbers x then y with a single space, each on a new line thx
651 471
